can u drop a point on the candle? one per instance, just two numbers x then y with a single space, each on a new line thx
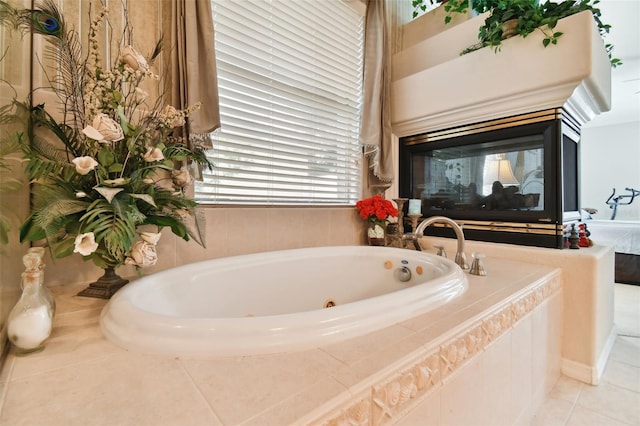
415 206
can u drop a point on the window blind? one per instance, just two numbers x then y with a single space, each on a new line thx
290 85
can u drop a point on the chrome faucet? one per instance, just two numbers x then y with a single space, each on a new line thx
461 257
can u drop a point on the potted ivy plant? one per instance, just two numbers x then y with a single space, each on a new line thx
521 17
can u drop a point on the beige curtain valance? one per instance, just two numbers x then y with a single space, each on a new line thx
375 128
192 65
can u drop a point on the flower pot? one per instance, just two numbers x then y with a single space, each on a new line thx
375 235
106 286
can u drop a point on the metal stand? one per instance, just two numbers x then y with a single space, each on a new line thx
394 239
414 221
106 286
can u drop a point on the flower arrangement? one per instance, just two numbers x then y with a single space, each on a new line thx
376 211
114 161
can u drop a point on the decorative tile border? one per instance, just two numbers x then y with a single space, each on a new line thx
394 396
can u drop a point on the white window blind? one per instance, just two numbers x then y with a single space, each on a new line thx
290 84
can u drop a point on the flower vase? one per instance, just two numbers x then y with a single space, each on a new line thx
105 286
375 234
31 319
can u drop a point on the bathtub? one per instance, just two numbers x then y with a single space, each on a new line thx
278 301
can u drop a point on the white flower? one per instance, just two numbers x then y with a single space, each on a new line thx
93 133
81 194
142 254
173 117
153 154
150 237
130 56
181 178
85 244
107 127
84 164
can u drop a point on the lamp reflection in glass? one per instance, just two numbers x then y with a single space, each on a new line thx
498 169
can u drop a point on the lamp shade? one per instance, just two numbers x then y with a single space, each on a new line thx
498 169
505 173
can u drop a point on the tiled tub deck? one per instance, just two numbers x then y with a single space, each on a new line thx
488 357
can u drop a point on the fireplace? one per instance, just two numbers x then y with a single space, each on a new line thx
490 139
511 180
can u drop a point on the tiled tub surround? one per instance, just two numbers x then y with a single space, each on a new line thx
588 326
489 356
587 274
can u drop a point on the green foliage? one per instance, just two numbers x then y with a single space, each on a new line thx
531 16
112 163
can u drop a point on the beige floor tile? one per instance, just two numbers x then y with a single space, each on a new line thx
622 375
627 309
626 350
566 389
581 416
553 412
612 401
123 390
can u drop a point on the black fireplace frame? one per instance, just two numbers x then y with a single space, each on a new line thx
543 228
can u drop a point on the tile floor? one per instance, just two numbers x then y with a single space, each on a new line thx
616 401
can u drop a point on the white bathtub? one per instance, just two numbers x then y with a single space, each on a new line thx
274 302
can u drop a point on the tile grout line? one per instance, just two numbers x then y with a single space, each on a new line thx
202 396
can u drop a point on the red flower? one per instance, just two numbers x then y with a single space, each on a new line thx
376 208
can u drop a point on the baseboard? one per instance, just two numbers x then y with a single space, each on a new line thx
587 373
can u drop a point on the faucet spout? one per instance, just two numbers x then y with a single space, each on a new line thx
461 257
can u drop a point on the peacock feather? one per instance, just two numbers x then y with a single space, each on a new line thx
62 48
46 19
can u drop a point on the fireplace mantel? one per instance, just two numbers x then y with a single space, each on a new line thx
434 88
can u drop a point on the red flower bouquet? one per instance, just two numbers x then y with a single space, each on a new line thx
376 210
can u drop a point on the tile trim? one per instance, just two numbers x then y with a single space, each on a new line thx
390 398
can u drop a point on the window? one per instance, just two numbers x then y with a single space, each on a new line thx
290 84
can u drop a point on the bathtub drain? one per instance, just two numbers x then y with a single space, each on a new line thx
329 303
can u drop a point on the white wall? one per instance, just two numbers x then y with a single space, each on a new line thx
610 158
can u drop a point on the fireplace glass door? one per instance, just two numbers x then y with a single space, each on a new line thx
504 175
512 180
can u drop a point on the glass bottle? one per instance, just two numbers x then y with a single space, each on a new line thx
31 319
40 265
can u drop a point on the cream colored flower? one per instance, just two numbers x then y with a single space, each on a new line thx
150 237
173 117
153 154
181 178
142 254
130 57
108 128
81 194
84 164
85 244
93 133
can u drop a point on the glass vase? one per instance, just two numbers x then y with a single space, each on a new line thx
31 319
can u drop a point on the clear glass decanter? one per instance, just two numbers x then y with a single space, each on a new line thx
31 319
45 291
